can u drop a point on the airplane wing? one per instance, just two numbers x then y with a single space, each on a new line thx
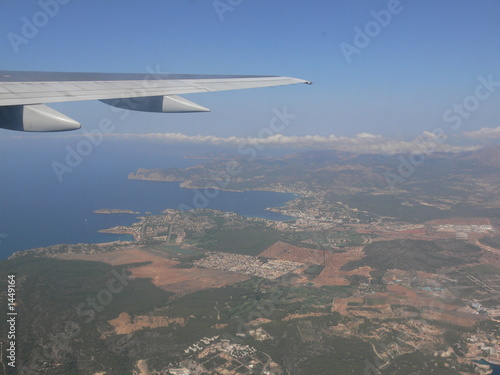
23 94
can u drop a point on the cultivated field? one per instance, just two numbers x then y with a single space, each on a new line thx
162 272
331 274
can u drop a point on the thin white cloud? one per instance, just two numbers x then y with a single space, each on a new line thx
365 143
483 133
360 143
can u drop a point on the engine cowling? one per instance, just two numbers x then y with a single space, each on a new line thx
165 104
35 118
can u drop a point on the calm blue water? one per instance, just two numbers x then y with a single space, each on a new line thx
495 368
37 210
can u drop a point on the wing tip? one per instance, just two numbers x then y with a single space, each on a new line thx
299 80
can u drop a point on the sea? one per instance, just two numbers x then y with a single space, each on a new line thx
37 209
494 368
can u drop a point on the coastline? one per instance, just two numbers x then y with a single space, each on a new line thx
493 365
121 231
188 184
115 211
110 221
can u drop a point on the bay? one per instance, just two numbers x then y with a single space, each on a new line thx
495 368
37 209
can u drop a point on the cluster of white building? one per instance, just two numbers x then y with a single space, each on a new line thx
466 228
201 344
247 265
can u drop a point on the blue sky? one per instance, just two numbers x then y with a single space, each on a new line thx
428 57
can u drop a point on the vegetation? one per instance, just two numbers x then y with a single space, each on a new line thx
483 270
65 304
250 240
393 206
416 255
493 241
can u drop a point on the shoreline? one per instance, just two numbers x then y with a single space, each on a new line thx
493 364
136 237
186 184
107 211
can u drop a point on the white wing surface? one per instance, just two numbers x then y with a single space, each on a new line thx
142 92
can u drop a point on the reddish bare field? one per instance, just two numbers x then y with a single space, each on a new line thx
427 307
124 324
161 271
283 251
118 258
331 274
187 280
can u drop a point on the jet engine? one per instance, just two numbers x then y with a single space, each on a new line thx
35 118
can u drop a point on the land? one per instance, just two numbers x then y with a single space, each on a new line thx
361 279
162 271
115 211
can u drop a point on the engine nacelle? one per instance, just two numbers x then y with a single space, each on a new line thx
35 118
165 104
